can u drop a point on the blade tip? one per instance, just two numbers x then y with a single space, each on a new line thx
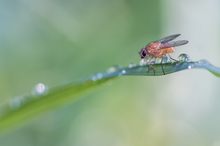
178 34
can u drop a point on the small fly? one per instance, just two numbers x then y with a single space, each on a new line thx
161 48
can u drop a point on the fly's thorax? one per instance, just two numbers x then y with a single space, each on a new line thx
153 46
154 52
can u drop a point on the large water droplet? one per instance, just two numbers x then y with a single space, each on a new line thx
184 58
40 89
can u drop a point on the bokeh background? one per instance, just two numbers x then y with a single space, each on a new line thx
61 41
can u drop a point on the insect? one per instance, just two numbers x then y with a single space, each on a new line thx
161 48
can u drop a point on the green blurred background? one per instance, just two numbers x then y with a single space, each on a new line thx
58 42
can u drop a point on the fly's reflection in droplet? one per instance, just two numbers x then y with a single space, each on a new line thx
184 58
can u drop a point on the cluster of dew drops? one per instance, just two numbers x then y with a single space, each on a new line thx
112 71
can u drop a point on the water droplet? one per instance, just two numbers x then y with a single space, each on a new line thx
40 89
123 72
97 76
184 58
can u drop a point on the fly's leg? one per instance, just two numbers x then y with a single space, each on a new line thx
172 58
150 65
162 66
149 60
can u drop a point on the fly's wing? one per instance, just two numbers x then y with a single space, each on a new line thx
168 38
173 44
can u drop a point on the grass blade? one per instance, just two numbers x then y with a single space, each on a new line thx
33 105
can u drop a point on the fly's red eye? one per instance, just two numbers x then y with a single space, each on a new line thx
143 53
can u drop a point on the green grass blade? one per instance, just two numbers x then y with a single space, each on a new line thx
25 107
33 105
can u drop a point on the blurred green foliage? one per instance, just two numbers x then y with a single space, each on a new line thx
57 42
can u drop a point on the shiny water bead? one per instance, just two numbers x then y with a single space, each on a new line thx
40 89
184 58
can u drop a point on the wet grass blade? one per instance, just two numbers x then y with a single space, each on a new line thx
28 106
157 69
